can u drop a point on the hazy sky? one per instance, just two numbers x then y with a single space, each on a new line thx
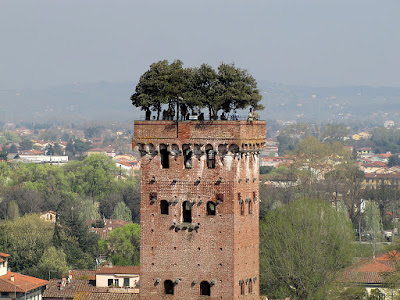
46 43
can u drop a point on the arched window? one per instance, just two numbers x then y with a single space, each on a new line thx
168 287
233 148
241 283
187 156
250 287
187 212
210 154
211 208
205 288
164 207
164 156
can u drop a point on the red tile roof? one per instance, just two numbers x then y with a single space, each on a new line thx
4 254
83 289
119 270
83 274
105 296
370 270
378 164
55 290
384 155
21 283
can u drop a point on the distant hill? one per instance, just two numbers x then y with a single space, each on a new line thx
110 101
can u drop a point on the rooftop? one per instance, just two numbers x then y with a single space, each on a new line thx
15 282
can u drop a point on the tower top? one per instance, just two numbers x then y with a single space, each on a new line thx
248 136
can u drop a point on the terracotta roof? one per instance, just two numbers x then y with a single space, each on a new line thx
384 155
390 214
70 289
4 254
118 270
83 274
83 289
21 283
105 296
370 270
375 164
364 149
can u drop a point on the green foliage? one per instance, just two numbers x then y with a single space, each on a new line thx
5 173
13 210
386 139
394 160
354 292
335 132
302 246
164 83
25 239
25 144
373 223
94 176
122 212
88 209
92 132
8 138
75 191
124 245
71 234
52 264
77 147
265 169
376 294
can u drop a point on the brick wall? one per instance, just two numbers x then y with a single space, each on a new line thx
221 249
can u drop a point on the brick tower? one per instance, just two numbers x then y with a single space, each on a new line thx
199 209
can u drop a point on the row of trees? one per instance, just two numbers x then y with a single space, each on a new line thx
226 89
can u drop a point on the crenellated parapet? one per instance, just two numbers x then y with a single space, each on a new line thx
223 137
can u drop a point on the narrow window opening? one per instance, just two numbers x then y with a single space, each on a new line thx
153 197
187 212
187 156
164 156
242 209
250 208
210 157
220 198
205 288
241 287
250 287
168 287
110 282
164 207
211 208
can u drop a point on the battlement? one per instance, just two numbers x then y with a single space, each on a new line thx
246 135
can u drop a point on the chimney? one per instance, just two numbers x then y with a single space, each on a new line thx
12 278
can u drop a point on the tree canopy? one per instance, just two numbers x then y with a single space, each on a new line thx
182 89
302 245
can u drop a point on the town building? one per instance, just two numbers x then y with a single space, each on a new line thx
17 286
105 226
49 216
373 273
105 283
199 209
44 159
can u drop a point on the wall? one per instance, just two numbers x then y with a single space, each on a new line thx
220 249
